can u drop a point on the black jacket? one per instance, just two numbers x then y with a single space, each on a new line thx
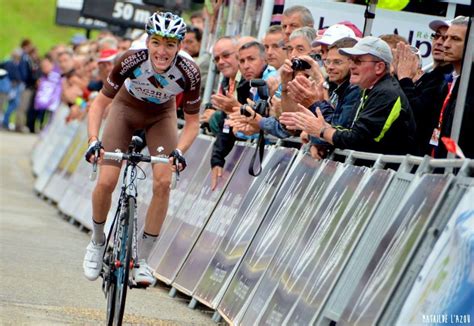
384 123
426 98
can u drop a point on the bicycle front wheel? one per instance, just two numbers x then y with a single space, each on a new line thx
123 260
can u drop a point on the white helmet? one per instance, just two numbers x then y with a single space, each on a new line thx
166 24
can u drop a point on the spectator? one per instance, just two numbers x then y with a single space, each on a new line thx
197 20
343 96
332 34
124 44
275 51
28 71
453 53
426 93
192 45
252 65
295 17
48 95
383 121
393 40
16 85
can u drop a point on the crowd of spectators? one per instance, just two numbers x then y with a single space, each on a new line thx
332 88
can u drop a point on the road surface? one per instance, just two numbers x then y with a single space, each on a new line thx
41 260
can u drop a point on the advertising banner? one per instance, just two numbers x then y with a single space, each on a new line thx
444 289
68 13
216 278
59 181
200 151
282 213
303 215
196 218
313 241
126 14
338 246
394 251
218 224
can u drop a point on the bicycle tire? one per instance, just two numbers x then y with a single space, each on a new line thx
110 284
120 276
125 258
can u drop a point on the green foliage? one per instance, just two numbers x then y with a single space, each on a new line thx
33 19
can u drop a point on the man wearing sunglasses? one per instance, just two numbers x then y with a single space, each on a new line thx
425 94
383 121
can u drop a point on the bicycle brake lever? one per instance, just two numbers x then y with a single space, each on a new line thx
93 174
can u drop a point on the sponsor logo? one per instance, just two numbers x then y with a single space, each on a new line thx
132 61
191 72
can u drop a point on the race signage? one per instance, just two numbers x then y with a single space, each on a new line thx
122 13
68 13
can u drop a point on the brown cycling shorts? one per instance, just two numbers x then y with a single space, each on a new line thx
128 114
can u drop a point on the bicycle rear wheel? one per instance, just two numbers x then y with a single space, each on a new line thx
121 265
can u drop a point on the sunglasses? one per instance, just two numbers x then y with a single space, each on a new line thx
436 36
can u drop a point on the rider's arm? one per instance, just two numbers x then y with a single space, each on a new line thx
96 112
190 131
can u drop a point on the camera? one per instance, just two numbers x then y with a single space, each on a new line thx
298 64
261 105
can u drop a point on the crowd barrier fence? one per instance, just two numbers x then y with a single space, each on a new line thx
306 242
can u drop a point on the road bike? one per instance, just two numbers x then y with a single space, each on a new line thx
121 255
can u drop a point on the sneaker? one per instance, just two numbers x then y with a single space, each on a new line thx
143 275
93 260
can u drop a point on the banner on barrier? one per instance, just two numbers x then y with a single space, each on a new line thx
338 247
313 242
196 218
282 213
317 190
444 288
214 282
394 251
218 224
182 199
59 181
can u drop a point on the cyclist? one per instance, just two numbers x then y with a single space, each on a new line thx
141 90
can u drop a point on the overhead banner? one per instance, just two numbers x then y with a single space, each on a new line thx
338 247
444 288
283 213
68 13
256 303
394 251
196 218
212 235
216 278
122 13
309 250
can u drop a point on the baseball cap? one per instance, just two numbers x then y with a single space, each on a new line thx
334 33
437 23
355 29
107 55
370 45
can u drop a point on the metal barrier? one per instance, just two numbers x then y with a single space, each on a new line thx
307 242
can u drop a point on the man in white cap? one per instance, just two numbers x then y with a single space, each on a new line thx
426 95
332 34
383 121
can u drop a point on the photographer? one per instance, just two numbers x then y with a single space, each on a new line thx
252 65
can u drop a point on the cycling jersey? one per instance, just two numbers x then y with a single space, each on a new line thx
135 71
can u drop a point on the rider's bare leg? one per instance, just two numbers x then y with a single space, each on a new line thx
159 202
101 199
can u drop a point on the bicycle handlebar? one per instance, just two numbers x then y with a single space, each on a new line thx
135 157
